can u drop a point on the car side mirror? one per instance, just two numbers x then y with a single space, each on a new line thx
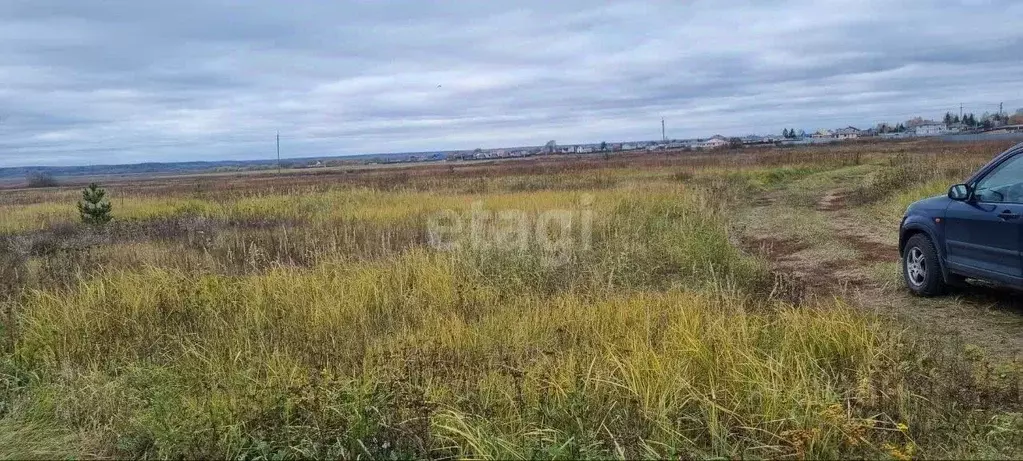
959 192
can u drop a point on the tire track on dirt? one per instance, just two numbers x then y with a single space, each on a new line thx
833 201
986 317
798 262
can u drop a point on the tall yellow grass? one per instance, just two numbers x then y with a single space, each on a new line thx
318 323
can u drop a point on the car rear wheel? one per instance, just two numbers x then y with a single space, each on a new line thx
920 267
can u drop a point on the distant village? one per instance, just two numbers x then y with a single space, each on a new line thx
916 127
950 125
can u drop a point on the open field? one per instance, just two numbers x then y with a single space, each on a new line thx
644 306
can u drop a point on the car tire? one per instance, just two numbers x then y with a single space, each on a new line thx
920 267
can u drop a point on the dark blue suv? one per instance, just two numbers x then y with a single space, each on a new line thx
975 231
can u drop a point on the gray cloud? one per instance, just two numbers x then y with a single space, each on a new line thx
129 81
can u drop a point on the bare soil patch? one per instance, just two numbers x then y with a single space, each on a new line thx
774 248
833 201
985 317
871 251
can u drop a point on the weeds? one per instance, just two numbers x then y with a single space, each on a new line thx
312 321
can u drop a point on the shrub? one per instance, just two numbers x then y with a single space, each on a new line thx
41 179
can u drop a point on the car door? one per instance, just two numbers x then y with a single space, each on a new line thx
985 232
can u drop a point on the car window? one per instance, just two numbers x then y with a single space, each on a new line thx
1004 184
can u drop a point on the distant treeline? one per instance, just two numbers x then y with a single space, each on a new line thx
20 173
141 168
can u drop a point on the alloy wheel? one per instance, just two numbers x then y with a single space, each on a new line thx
916 266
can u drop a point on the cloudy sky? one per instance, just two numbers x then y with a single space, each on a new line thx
125 81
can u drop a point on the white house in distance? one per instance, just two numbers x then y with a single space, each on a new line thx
847 133
714 142
930 129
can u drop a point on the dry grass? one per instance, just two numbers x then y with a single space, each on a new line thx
312 319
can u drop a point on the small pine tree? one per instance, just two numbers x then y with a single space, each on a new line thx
94 208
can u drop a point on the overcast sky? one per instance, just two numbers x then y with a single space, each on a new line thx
91 82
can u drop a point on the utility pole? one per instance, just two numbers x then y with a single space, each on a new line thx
1000 110
664 137
278 153
960 111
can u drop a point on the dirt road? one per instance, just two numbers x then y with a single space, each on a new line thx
835 249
